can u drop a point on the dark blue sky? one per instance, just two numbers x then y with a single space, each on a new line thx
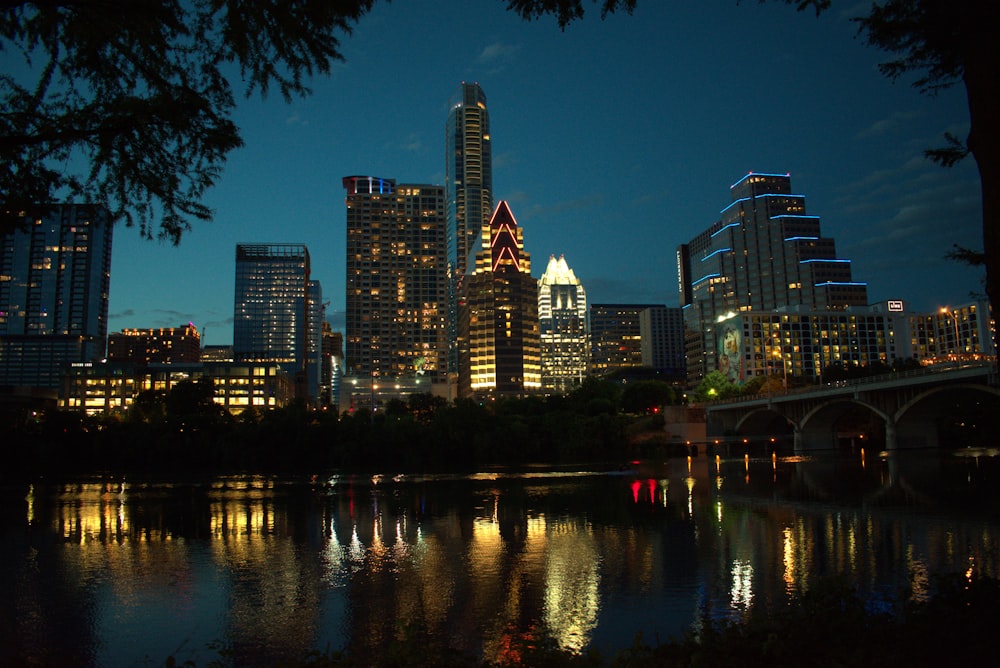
614 141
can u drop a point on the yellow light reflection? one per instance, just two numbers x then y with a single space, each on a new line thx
30 499
689 481
572 582
742 577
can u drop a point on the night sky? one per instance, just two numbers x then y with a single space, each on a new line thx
613 142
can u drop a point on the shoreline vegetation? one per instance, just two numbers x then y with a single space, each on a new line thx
185 432
827 626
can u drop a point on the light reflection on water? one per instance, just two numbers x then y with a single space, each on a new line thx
115 573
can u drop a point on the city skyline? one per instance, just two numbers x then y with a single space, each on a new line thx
633 126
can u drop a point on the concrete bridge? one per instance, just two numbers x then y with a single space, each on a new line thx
909 405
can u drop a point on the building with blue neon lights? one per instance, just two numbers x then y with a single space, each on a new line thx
764 253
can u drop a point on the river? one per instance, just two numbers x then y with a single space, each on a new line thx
111 571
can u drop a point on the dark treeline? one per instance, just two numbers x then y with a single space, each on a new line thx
184 432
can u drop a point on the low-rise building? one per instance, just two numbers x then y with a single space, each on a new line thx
108 387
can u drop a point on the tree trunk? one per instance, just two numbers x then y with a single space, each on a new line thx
982 85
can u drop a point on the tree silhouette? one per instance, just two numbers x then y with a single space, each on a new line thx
129 104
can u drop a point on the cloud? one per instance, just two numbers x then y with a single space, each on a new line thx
584 203
615 290
907 216
497 54
127 313
506 159
887 125
337 320
413 144
295 119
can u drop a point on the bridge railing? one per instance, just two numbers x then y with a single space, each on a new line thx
946 367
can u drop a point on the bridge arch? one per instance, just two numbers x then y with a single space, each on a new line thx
917 421
818 427
765 421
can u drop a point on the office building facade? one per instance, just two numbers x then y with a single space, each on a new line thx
564 330
661 340
950 334
764 253
100 388
271 309
397 287
55 275
498 316
801 343
616 337
468 192
162 345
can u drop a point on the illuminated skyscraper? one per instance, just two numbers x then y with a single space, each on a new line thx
396 280
468 191
55 274
563 327
764 253
498 316
271 311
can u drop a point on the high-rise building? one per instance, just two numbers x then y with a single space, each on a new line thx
397 287
632 336
332 365
55 274
661 340
162 345
314 342
468 192
764 253
498 316
271 310
564 330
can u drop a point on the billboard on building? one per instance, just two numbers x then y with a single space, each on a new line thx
730 353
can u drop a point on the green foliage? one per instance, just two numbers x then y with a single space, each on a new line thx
183 430
645 396
715 385
595 396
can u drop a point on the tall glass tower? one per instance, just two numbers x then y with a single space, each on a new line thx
468 193
271 310
55 273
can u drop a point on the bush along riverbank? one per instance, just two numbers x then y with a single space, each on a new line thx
185 432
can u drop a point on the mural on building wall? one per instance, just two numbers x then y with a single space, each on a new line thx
730 352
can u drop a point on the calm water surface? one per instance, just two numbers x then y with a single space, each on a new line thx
115 572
